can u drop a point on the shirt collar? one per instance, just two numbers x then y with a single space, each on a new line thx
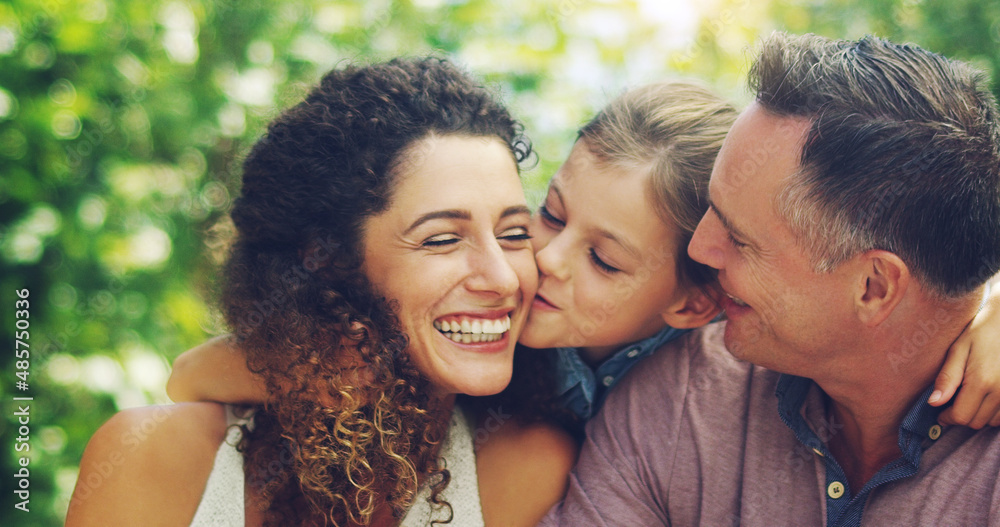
572 371
623 359
919 423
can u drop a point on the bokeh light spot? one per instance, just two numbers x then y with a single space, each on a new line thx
66 124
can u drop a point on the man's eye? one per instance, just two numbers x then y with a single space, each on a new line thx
548 218
736 243
601 264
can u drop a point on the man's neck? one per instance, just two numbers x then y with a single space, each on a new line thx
866 439
869 401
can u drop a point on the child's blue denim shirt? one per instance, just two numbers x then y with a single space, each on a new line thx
582 390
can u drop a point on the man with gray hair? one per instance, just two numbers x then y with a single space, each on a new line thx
854 221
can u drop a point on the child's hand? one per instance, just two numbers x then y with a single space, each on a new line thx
215 370
973 363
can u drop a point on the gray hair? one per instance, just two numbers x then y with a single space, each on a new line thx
903 155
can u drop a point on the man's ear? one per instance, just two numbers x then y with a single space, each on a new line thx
695 308
883 282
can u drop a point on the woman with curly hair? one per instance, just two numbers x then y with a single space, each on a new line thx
382 268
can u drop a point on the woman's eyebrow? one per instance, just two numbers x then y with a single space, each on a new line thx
515 210
449 214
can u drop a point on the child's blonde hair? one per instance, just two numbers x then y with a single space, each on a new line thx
675 130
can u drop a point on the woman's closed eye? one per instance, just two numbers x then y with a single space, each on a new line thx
511 235
440 240
515 234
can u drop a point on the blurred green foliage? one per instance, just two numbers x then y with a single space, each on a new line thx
122 127
962 29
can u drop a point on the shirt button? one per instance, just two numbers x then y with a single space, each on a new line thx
934 432
835 490
608 380
818 453
632 353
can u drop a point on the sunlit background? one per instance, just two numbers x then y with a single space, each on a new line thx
122 127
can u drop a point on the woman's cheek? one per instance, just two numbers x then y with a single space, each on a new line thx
527 273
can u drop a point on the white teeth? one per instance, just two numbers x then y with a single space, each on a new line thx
736 301
474 330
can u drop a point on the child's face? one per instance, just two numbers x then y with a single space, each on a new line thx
606 260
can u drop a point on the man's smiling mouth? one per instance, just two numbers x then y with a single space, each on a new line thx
737 301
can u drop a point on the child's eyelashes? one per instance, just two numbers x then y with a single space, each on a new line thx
549 218
601 264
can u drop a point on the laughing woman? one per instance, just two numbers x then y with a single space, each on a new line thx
380 225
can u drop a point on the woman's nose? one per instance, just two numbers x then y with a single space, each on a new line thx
492 272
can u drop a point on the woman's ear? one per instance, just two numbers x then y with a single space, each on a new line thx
695 308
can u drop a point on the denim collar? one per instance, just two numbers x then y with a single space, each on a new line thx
582 389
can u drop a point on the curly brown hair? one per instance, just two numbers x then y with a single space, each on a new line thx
309 320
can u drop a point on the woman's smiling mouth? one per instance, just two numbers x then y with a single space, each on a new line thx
469 330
